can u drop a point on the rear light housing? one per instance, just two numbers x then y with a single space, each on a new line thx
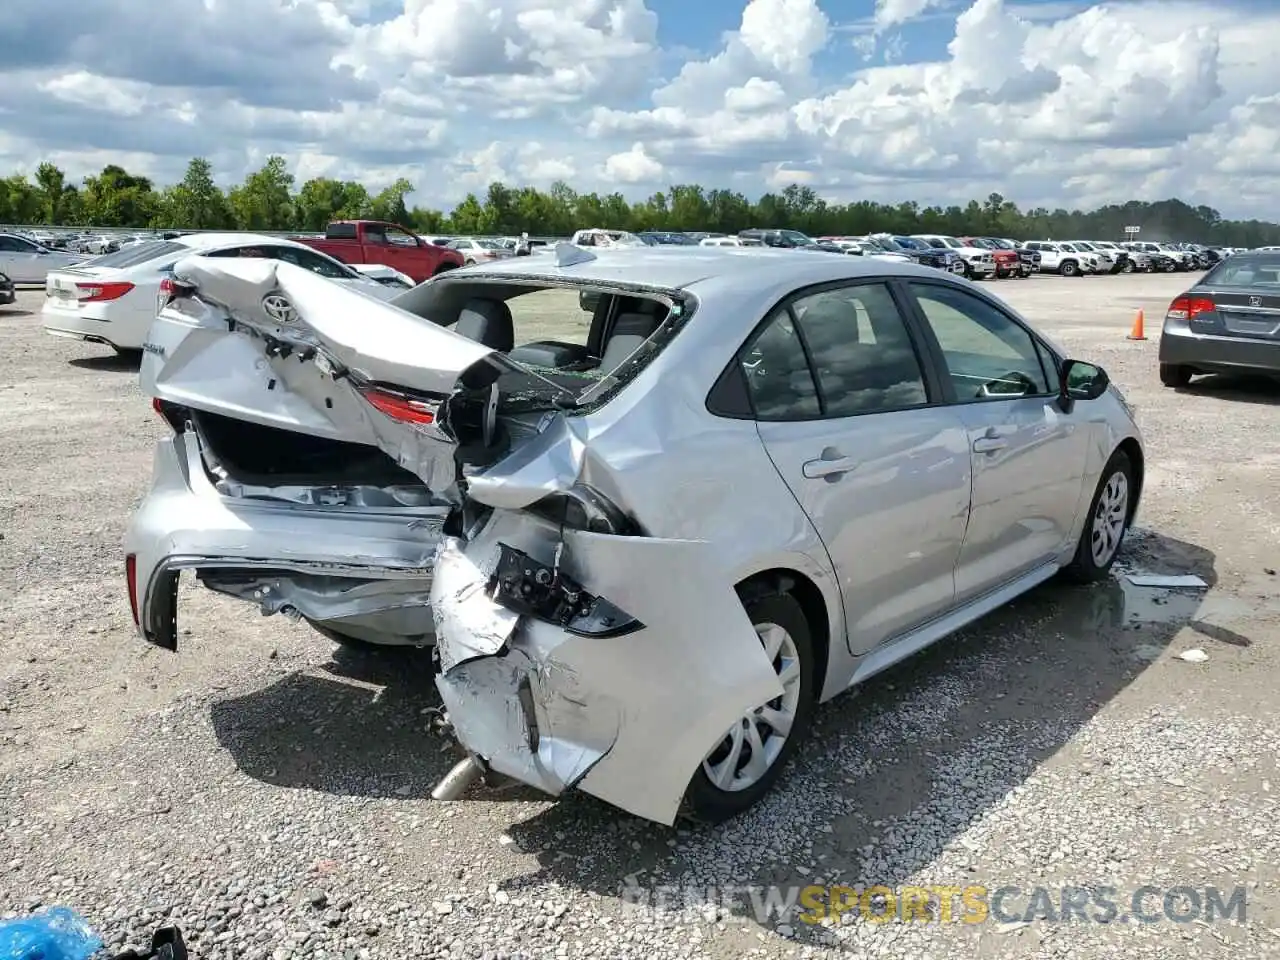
402 407
131 579
170 413
1189 307
102 292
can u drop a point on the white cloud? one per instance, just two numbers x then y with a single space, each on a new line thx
1058 103
633 166
892 13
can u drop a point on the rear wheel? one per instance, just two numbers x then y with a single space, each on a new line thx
1106 523
1174 375
746 763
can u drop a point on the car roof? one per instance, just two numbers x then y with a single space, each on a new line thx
749 269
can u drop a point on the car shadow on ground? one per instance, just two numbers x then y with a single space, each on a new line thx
362 725
14 312
127 362
1236 388
1012 689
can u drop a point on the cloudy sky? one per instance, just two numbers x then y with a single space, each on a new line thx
1053 102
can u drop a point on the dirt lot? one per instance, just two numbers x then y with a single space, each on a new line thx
271 794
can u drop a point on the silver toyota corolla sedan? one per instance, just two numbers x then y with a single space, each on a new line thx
650 506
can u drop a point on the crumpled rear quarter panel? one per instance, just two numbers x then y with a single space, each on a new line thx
627 718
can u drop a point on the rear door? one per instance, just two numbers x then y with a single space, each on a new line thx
1028 456
853 423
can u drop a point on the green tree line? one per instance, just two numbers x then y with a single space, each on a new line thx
269 199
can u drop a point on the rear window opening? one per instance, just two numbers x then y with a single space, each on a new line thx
578 344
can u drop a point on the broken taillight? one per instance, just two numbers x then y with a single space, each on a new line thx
170 413
402 407
131 578
102 292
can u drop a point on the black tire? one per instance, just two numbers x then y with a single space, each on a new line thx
706 803
1174 375
444 268
1127 267
1068 268
1084 568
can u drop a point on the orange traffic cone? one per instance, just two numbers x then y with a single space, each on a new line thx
1136 333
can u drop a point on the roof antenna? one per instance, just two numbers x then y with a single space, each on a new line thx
567 254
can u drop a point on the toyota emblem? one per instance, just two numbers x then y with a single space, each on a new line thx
278 308
1255 301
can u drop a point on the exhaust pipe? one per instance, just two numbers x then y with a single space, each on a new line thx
456 781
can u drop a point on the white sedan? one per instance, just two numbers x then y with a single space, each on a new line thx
112 299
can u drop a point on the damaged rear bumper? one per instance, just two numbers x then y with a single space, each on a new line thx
626 716
336 567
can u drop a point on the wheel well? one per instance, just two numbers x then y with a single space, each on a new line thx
807 594
1133 451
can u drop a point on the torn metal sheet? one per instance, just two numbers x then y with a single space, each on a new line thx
640 710
1170 581
477 626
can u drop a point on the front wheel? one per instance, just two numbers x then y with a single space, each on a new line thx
1106 523
1068 269
746 763
960 268
1127 267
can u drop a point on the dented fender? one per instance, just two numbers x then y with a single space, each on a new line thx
626 718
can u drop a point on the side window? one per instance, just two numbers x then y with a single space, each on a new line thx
863 358
9 245
988 355
777 373
400 238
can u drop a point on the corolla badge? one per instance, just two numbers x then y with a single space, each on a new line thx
278 308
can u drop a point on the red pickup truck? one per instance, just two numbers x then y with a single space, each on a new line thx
389 244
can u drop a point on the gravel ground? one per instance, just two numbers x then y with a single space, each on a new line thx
271 794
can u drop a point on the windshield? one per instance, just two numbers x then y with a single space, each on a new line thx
1245 270
488 245
910 243
951 242
1080 245
995 244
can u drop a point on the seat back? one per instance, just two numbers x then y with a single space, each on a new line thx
487 322
629 331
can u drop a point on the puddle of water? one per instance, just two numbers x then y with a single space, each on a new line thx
1158 605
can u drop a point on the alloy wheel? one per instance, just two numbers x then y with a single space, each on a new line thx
750 747
1109 518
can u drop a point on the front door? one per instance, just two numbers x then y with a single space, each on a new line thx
844 410
1028 456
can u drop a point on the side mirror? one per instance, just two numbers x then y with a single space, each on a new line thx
1080 381
588 301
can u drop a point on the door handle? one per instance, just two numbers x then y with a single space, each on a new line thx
830 466
989 444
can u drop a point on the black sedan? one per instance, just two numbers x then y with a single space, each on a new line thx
1229 322
7 293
